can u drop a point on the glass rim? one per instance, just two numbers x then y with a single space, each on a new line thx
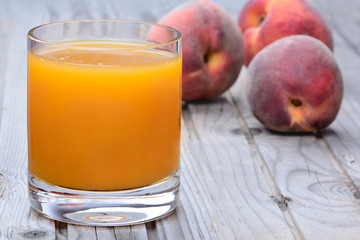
31 35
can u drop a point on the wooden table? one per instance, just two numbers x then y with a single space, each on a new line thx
239 180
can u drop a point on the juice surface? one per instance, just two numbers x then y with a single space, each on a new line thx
103 120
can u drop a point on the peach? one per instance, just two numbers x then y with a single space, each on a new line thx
295 85
264 21
212 48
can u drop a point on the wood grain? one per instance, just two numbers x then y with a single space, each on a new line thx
137 232
16 218
343 140
308 177
231 180
238 180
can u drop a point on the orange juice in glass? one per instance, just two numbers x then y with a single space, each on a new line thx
104 108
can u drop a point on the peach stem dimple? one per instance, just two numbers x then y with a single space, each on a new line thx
206 58
296 102
261 18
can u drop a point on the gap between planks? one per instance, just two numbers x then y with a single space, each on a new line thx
61 231
280 200
346 178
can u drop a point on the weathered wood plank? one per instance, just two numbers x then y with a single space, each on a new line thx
5 33
307 177
167 228
343 19
76 232
60 231
230 186
136 232
17 221
105 233
266 186
343 138
318 182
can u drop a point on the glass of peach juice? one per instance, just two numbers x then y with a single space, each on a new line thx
104 109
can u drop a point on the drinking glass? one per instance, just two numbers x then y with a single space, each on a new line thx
104 108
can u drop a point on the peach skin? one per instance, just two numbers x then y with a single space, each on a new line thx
295 85
264 21
212 48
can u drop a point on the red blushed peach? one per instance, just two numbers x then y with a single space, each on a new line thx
295 85
212 48
265 21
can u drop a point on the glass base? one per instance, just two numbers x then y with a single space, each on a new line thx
107 208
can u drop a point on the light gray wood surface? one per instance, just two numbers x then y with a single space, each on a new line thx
239 180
